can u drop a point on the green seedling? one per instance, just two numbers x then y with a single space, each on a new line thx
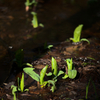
77 35
54 74
19 88
21 84
71 69
28 3
42 75
47 46
35 20
14 90
87 89
54 66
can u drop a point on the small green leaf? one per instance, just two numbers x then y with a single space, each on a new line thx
65 76
27 3
49 46
41 25
28 64
49 74
77 33
34 21
85 40
22 83
53 85
72 73
42 74
69 63
54 66
60 73
44 84
31 73
14 89
26 90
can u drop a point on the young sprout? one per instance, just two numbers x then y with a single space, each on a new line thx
54 66
28 3
35 20
77 35
19 88
42 75
71 69
14 89
87 88
21 84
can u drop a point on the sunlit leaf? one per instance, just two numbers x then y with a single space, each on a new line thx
31 73
34 21
65 76
60 73
72 73
14 89
69 63
77 33
42 74
85 40
22 83
54 66
49 74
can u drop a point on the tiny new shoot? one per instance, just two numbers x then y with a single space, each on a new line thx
77 35
71 69
20 87
21 84
54 74
47 46
35 21
87 88
28 3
